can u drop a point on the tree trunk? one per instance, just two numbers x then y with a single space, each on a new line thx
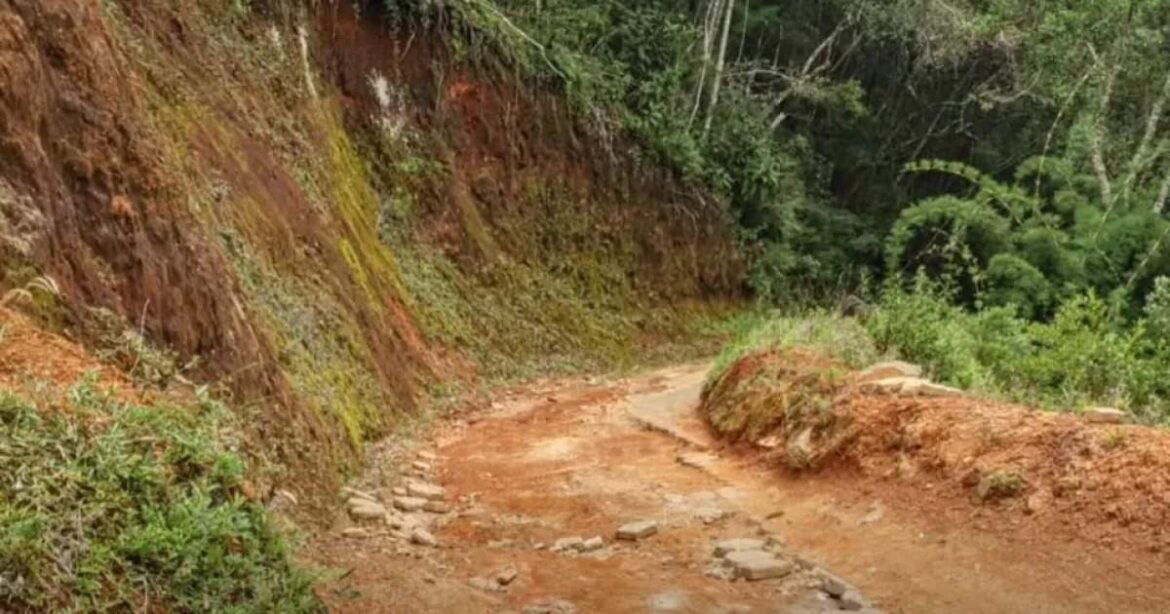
719 63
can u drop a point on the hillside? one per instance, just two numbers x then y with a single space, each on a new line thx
376 305
324 220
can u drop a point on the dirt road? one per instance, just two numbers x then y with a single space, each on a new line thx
580 458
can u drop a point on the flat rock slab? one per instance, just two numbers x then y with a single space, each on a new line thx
354 493
737 544
637 530
431 492
910 386
364 509
436 507
888 369
759 565
696 460
409 504
567 543
1106 415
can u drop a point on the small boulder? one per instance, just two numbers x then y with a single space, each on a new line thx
421 465
426 456
759 565
637 530
507 576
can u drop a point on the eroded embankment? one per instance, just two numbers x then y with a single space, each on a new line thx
323 218
1020 472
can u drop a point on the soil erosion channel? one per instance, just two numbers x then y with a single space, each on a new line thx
580 458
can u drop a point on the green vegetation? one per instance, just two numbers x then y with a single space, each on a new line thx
1002 171
1082 356
111 506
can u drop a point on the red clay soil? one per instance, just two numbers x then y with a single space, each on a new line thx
31 357
1104 484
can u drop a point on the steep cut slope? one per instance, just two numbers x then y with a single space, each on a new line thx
322 218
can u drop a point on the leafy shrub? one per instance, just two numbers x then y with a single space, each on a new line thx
108 506
1013 281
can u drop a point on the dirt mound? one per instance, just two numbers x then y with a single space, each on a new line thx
1106 483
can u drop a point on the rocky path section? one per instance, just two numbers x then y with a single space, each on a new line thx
610 496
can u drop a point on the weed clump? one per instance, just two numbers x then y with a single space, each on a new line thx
106 506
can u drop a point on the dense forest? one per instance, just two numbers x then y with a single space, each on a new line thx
998 168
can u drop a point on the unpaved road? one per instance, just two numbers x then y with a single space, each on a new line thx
580 458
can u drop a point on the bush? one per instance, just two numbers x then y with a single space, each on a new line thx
106 506
1086 355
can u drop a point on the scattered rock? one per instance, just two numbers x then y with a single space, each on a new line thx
1035 503
709 515
771 442
890 369
398 491
397 521
875 514
931 389
436 507
507 576
832 585
591 544
911 386
637 530
421 465
567 543
800 450
672 601
1106 415
364 509
432 492
737 544
354 533
354 493
287 496
485 584
719 571
759 565
409 504
559 606
426 456
423 537
696 460
852 601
